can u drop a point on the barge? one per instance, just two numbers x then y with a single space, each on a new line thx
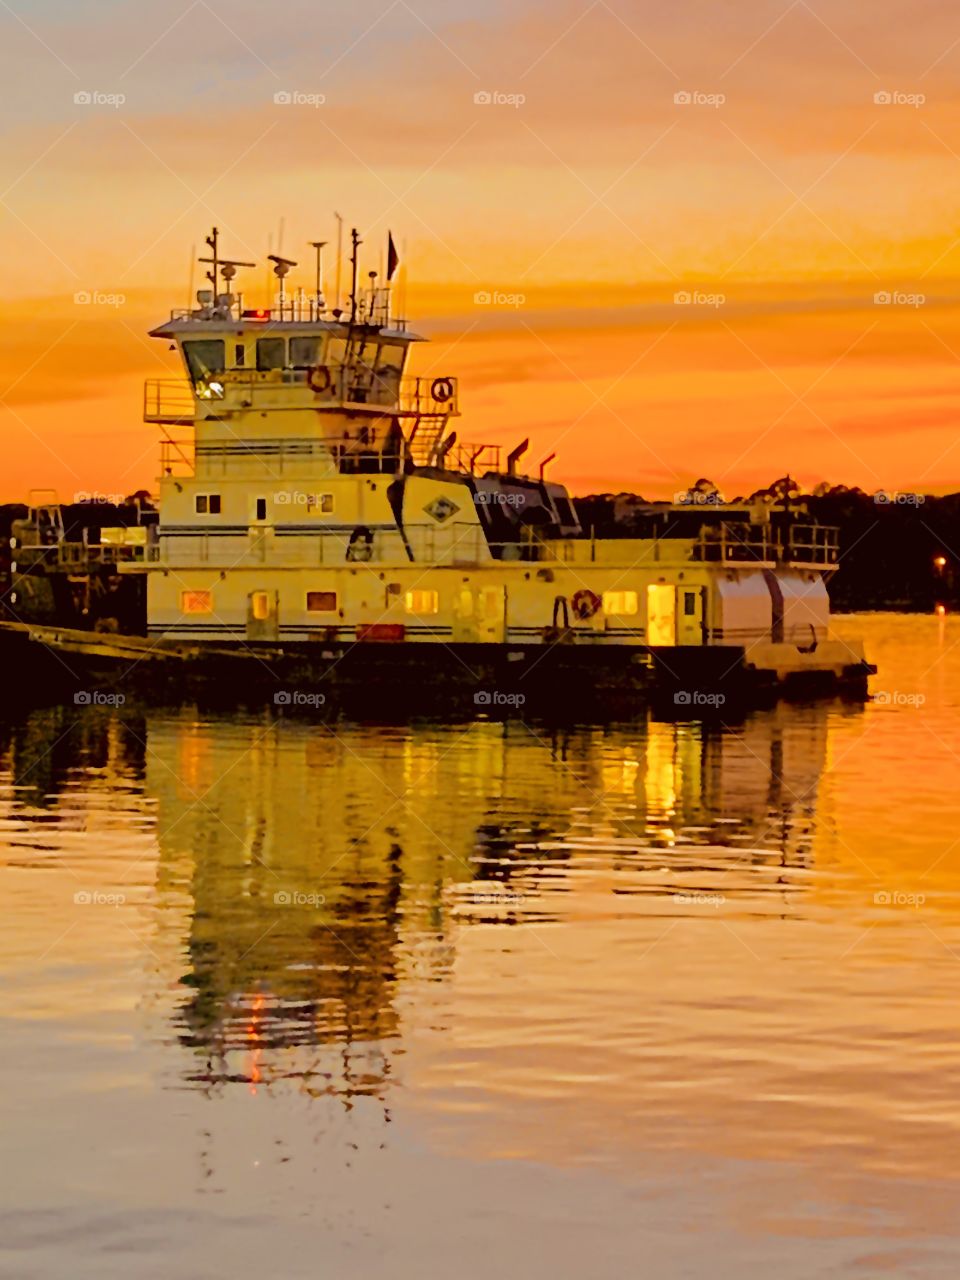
322 526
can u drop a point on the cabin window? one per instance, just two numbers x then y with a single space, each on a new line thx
259 605
208 504
322 502
422 602
321 602
270 354
238 355
196 602
390 357
564 511
204 358
689 604
304 352
623 604
261 508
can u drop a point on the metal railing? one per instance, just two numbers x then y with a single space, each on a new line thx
807 544
180 455
354 387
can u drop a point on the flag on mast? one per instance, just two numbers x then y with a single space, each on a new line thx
393 258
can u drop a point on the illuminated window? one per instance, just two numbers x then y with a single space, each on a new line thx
208 504
422 602
622 603
322 502
321 601
259 605
196 602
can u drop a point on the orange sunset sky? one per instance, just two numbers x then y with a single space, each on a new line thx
787 161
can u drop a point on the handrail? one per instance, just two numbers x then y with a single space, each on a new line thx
807 544
354 387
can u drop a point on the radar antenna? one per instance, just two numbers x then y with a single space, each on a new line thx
280 268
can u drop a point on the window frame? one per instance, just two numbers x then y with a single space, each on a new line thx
326 608
262 342
196 593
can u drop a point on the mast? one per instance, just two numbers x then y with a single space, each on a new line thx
339 255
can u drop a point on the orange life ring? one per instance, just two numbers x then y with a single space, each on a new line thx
585 604
318 378
442 389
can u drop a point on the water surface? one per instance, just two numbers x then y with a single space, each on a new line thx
286 997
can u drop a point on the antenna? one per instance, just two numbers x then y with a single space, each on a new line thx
318 245
280 268
356 242
339 252
225 267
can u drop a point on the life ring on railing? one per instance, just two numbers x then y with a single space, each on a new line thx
360 546
442 390
585 604
318 378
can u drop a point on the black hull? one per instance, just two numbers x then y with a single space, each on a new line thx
371 678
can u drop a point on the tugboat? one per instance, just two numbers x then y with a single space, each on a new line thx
320 513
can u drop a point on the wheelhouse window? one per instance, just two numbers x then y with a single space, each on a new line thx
271 354
422 602
623 604
321 602
207 504
304 352
205 358
196 602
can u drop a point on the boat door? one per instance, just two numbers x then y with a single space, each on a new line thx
263 615
661 614
480 615
690 615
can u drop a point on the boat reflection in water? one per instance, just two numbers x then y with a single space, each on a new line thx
311 883
329 870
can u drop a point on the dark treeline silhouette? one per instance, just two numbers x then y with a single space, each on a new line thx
897 550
